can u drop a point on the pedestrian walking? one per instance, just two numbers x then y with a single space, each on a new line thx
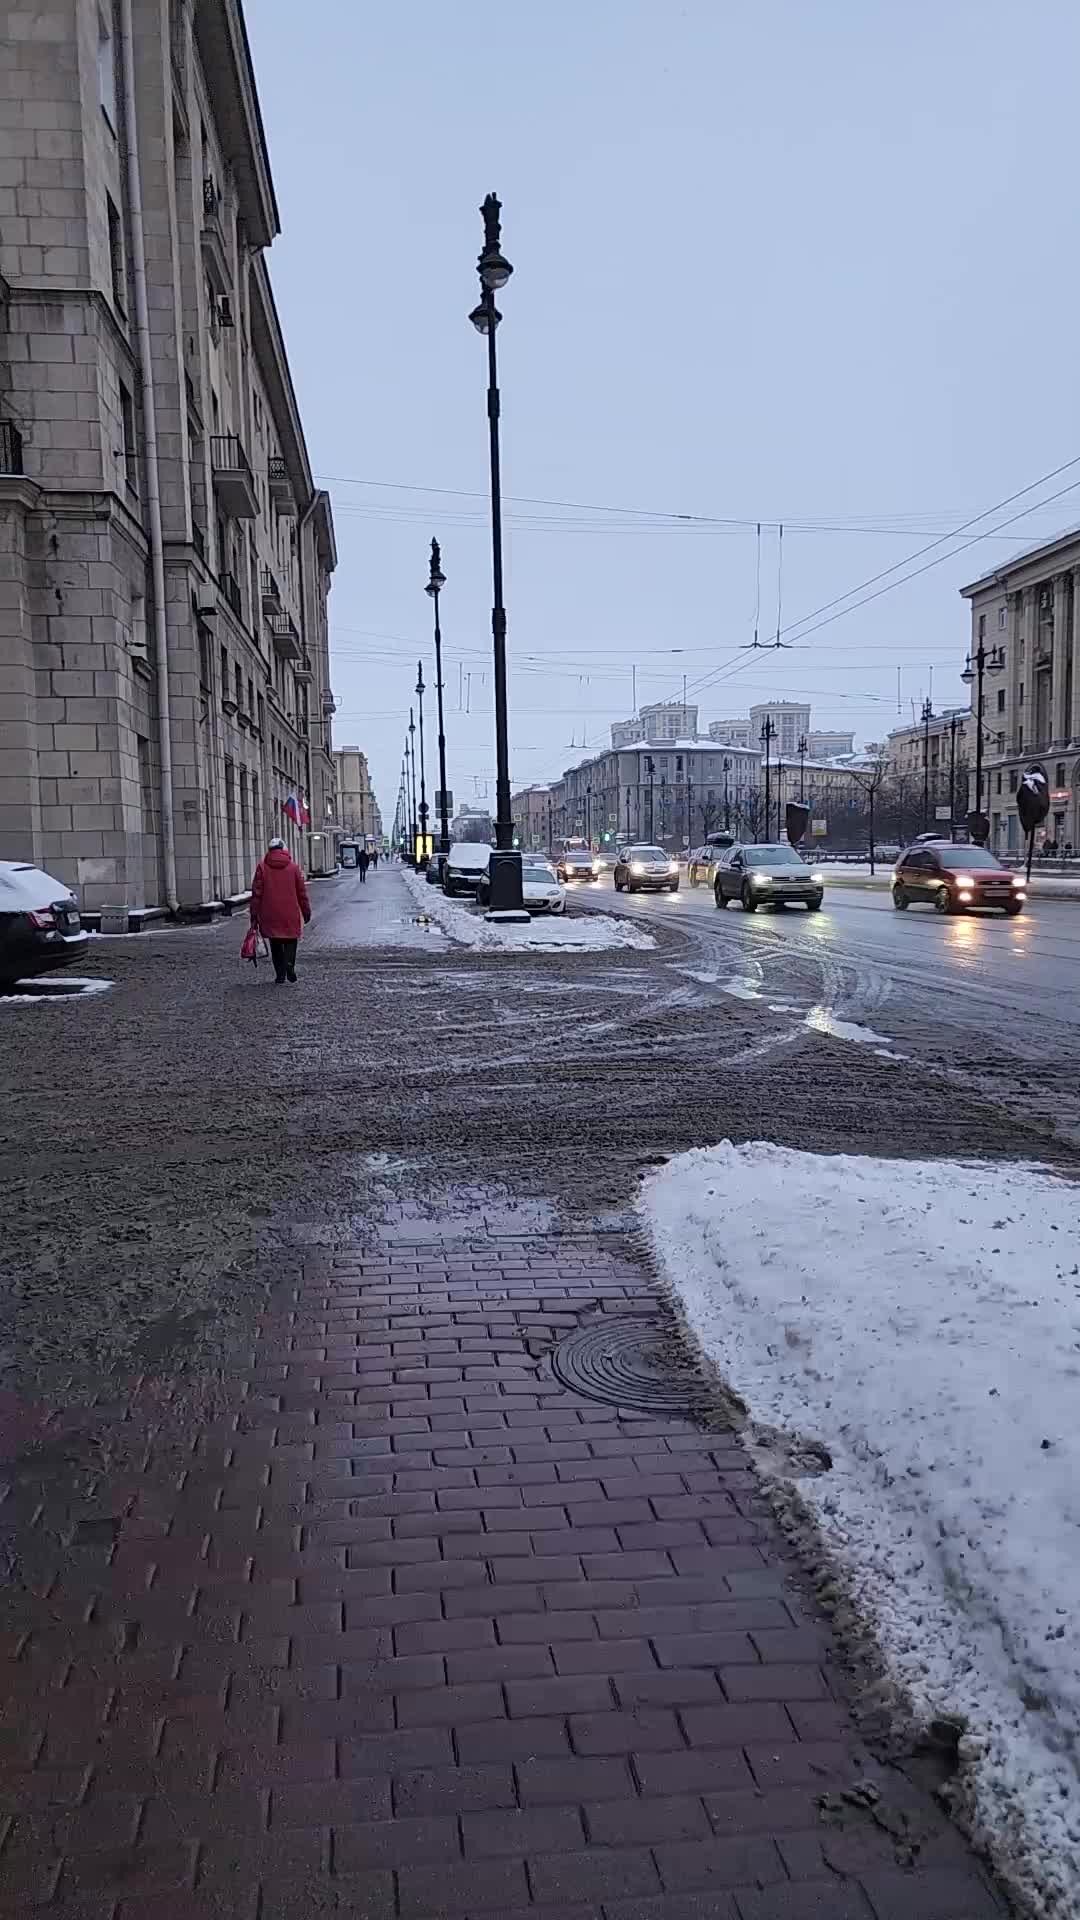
280 907
362 862
374 858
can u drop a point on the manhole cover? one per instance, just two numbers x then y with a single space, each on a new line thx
627 1363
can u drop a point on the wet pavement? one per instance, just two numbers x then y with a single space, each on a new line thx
321 1593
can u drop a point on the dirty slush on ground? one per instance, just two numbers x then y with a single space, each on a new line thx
166 1147
178 1153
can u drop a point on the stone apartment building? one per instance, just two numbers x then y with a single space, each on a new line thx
165 557
358 809
932 758
655 791
1030 610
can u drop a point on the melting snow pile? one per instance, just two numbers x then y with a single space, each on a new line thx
546 933
922 1321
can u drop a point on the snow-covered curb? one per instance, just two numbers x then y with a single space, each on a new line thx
922 1322
547 933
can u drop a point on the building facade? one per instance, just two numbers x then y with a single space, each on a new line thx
165 557
731 733
358 809
790 721
823 745
1030 610
664 720
672 794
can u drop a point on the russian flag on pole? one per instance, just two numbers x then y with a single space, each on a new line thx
296 807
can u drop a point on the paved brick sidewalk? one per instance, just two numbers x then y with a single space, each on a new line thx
412 1633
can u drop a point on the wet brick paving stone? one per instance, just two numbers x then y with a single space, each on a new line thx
411 1631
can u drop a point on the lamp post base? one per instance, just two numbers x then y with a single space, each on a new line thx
504 877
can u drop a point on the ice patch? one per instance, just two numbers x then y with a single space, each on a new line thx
820 1020
55 991
921 1321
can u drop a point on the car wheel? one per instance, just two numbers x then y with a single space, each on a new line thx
748 902
720 896
943 900
900 900
813 906
1014 907
674 887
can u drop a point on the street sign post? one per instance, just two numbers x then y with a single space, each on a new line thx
819 828
449 798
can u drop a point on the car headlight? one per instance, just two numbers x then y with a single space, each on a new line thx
760 880
964 880
637 866
1018 880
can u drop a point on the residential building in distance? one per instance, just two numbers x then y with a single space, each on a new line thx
532 811
664 720
731 733
791 723
931 759
651 790
358 809
1030 609
165 556
823 745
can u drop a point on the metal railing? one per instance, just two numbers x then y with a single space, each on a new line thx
211 198
228 456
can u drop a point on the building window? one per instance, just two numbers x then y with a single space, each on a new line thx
106 67
1001 699
1020 738
1003 618
1059 774
138 628
147 785
224 674
1000 742
127 430
1012 779
982 626
116 256
238 682
1020 695
997 788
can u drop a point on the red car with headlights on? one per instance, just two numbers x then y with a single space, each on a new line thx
955 879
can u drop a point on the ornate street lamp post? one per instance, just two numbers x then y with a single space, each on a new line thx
435 585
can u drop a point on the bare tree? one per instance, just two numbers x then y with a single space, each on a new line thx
868 780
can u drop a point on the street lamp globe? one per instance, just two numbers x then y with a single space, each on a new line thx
484 315
968 673
494 268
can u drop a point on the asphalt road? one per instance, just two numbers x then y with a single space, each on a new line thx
995 999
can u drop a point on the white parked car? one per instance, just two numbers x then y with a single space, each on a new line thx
466 865
540 888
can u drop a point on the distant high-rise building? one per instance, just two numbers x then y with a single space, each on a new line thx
663 720
790 719
731 733
829 746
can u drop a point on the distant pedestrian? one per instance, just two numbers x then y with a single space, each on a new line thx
374 858
362 862
280 907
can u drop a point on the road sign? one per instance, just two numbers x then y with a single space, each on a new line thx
818 828
449 807
942 813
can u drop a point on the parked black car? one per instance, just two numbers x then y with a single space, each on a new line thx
955 879
770 874
40 927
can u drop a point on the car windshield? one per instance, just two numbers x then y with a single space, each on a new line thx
646 853
537 870
772 857
578 853
960 858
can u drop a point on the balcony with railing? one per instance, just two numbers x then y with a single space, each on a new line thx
281 491
302 669
270 591
234 482
215 250
284 636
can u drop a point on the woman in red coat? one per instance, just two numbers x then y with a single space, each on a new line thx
279 904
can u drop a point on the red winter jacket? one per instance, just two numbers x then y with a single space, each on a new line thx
279 896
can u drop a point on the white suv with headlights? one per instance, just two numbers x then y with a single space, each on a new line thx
646 868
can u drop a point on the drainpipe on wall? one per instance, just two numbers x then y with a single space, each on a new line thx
305 521
150 455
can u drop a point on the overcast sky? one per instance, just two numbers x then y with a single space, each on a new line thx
779 262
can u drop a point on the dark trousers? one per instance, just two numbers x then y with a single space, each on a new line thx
283 955
363 869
